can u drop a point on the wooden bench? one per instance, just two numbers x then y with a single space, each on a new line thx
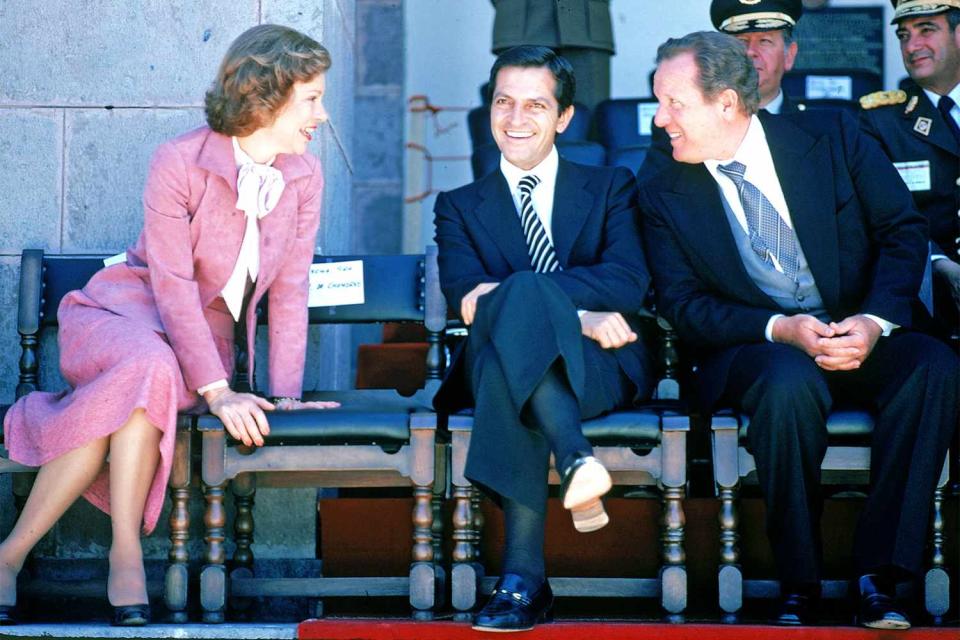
847 462
44 280
377 438
643 446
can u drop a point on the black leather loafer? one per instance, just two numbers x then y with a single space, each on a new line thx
131 615
514 605
796 609
7 617
877 608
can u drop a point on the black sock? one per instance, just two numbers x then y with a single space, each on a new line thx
554 410
523 544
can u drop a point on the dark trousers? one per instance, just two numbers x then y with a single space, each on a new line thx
910 383
522 329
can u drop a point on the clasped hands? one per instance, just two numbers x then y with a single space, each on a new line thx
242 414
606 327
837 346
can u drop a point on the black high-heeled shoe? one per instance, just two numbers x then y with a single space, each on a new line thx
7 616
131 615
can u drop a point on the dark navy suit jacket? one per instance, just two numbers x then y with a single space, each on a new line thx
595 235
863 238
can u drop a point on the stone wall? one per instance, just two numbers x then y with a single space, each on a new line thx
89 88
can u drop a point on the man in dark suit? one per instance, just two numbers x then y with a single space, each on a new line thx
788 254
919 129
543 260
765 28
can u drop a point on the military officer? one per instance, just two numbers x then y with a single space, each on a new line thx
919 129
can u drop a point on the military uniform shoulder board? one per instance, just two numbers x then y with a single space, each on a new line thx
883 98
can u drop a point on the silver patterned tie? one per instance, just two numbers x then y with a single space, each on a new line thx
543 258
770 237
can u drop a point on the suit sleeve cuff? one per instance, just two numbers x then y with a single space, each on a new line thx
218 384
885 325
768 332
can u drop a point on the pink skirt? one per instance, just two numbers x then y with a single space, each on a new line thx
114 366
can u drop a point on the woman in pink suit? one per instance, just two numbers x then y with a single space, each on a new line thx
231 213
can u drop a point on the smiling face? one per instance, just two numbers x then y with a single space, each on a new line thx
298 119
699 128
770 58
931 52
524 115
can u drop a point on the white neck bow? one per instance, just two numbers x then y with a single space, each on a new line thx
259 187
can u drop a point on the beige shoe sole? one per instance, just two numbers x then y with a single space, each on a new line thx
589 483
590 517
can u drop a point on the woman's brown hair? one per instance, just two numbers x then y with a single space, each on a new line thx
257 76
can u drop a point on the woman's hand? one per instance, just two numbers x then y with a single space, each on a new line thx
292 404
242 414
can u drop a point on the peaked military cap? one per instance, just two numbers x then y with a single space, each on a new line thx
914 8
742 16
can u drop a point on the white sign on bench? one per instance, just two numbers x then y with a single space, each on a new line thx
336 283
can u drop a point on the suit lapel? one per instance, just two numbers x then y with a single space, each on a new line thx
799 160
938 131
572 204
497 214
697 212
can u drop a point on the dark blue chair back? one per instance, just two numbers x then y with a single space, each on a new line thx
630 157
625 122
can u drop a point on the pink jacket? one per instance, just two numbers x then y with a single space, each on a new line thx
191 237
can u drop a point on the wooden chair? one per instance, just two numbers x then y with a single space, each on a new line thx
643 446
847 462
377 438
44 280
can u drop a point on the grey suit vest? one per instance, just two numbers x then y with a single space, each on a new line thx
801 296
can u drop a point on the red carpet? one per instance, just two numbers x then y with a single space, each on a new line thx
353 629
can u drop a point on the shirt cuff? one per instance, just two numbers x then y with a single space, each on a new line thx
884 324
768 332
219 384
937 256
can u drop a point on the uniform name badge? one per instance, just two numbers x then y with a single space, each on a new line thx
916 174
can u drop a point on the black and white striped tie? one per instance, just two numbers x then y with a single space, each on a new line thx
543 258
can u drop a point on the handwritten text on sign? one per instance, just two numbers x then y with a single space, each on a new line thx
336 283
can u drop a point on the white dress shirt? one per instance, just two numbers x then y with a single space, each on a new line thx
954 94
775 105
754 153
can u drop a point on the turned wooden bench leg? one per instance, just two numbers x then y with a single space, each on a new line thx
730 576
177 576
423 578
937 581
673 572
673 482
213 577
244 490
726 473
465 575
